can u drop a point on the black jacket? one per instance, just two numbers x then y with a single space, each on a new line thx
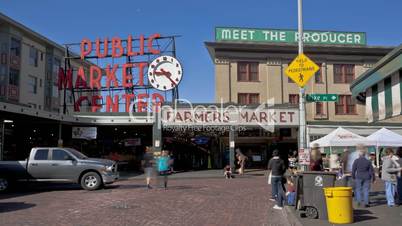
277 166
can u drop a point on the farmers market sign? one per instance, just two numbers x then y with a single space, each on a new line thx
289 36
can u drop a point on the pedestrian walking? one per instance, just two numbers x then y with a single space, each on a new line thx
316 159
363 175
399 177
390 170
277 167
164 162
241 160
147 164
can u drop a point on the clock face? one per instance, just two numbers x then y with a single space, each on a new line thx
165 73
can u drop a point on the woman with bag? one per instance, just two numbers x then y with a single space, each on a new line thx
163 164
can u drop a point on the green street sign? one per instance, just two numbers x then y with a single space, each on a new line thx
315 97
233 34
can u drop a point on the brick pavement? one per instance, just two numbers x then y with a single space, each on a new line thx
240 201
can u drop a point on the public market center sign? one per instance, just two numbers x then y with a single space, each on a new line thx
289 36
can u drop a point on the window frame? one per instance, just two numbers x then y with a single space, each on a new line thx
36 153
248 98
292 96
319 73
321 113
16 77
33 56
346 108
33 82
248 66
67 153
344 76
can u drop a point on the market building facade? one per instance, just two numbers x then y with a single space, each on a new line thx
250 69
255 108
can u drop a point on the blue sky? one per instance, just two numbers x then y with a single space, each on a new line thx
71 20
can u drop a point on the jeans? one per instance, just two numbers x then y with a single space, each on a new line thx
277 190
399 190
390 192
362 189
291 199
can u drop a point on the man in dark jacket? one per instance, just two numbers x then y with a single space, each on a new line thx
363 175
277 168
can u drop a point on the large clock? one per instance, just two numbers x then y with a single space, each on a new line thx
165 73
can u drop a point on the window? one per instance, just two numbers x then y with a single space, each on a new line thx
248 98
33 56
318 76
15 48
58 154
32 84
294 98
345 105
69 96
55 91
56 67
41 154
247 72
319 108
14 77
344 73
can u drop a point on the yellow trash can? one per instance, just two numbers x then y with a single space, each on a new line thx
339 204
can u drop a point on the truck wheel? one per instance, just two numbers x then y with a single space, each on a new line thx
91 181
3 184
311 212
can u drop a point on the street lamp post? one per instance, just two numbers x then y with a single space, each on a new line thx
302 99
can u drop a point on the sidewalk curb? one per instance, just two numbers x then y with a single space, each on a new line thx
291 217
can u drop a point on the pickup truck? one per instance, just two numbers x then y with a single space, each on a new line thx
59 164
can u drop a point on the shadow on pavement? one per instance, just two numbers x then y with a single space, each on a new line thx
29 188
14 206
363 215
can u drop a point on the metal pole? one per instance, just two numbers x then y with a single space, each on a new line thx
2 140
302 100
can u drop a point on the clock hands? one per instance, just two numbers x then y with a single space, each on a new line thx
167 74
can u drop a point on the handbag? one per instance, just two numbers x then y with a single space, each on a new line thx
269 177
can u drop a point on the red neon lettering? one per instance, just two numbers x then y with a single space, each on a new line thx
141 72
128 97
157 101
65 79
141 104
112 103
105 47
150 40
111 75
130 51
81 79
86 47
116 44
77 104
95 106
127 77
95 81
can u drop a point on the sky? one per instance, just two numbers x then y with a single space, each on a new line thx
68 21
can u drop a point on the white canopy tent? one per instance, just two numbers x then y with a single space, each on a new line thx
385 138
341 137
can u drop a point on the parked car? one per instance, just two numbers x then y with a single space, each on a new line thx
59 164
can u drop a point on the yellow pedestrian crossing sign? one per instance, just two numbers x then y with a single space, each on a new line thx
301 69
